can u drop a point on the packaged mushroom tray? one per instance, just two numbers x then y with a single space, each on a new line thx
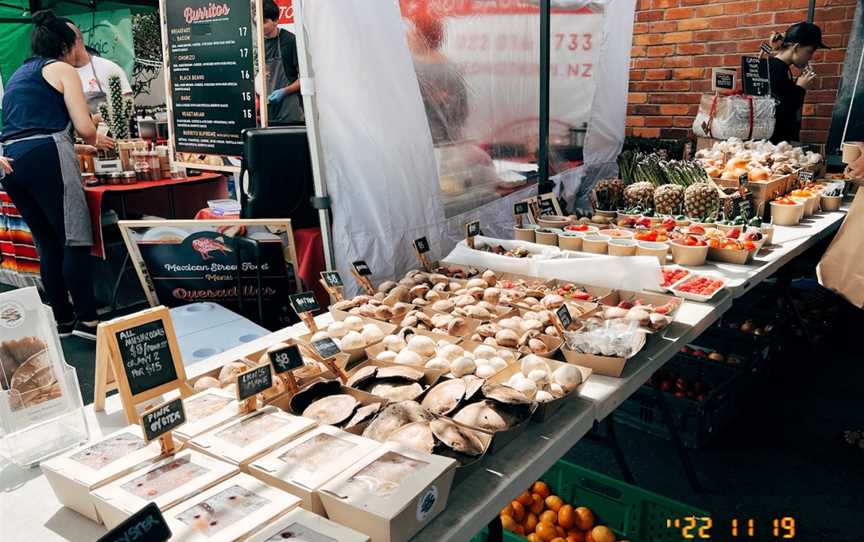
502 255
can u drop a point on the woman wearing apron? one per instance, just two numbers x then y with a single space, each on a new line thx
283 85
43 102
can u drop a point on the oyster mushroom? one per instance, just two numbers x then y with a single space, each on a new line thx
397 392
332 410
362 414
457 438
395 416
445 397
482 415
415 435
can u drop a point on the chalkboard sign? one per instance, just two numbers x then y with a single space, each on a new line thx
743 179
722 79
754 72
165 417
422 245
146 355
547 206
326 348
805 175
564 315
253 382
145 525
211 71
472 229
520 208
332 278
286 359
361 268
304 302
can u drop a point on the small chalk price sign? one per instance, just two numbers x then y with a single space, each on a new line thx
421 245
303 302
253 382
743 179
722 79
547 206
804 175
563 314
145 525
326 348
520 208
162 419
286 359
361 268
332 278
472 229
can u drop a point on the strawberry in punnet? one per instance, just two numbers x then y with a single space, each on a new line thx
704 286
644 222
734 233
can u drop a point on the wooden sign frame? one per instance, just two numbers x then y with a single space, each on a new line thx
334 291
166 439
534 208
363 280
110 373
422 255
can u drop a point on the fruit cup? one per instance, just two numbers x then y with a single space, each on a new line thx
786 214
658 250
570 240
622 247
684 254
596 244
830 203
525 233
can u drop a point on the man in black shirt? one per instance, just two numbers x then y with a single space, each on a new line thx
283 83
798 45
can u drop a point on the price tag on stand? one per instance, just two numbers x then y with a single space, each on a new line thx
421 247
284 361
519 211
326 350
805 176
362 272
563 319
332 282
723 79
743 179
147 524
305 305
160 421
472 230
250 384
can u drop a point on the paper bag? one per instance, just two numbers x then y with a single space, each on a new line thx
841 269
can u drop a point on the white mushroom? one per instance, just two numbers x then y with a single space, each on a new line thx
354 323
463 366
337 330
568 377
438 364
422 344
409 357
533 363
485 352
394 342
371 334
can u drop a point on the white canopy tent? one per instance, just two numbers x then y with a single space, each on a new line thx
371 138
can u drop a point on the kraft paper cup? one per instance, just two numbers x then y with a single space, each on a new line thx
553 221
658 250
547 236
786 215
688 255
622 247
620 234
831 203
571 240
525 233
851 152
595 244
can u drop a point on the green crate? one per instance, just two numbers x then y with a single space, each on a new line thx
633 513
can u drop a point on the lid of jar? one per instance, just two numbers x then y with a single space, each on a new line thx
128 174
115 175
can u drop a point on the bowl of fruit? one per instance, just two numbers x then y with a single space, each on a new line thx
581 228
766 229
731 250
699 287
690 250
652 236
786 211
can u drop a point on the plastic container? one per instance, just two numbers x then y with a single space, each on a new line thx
688 255
622 247
658 250
696 297
786 215
595 244
570 240
631 512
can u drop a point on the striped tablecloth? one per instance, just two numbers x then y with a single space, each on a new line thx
19 261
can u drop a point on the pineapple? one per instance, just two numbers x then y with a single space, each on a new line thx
640 195
701 201
609 194
669 199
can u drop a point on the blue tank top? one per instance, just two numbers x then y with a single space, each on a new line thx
31 106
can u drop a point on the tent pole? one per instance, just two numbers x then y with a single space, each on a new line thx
310 106
543 142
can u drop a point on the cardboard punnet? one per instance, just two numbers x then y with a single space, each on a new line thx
76 473
395 508
118 501
250 436
602 365
544 410
305 464
353 355
206 410
298 524
233 510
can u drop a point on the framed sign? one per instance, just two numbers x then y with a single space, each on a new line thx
139 356
332 278
166 417
304 302
362 268
564 317
239 264
286 359
253 382
723 79
520 208
326 348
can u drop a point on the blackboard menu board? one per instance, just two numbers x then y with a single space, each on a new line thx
146 356
754 72
520 208
166 417
304 302
147 524
472 229
212 74
254 382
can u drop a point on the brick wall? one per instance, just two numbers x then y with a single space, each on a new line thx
677 42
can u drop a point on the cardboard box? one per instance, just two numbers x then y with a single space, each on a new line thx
167 482
305 464
355 355
251 436
544 410
299 524
391 494
76 473
232 510
206 410
601 365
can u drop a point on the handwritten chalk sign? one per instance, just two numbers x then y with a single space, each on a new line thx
303 302
253 382
147 524
805 175
326 348
286 359
139 356
722 79
754 74
421 245
520 208
361 268
547 207
743 179
332 278
162 419
564 317
362 272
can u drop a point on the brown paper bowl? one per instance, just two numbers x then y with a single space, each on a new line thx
688 255
570 241
595 244
658 250
622 247
549 238
525 234
831 203
786 215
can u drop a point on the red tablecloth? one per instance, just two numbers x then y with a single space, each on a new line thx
150 202
310 255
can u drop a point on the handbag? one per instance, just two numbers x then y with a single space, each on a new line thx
841 269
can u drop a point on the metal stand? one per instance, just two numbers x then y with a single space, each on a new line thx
683 453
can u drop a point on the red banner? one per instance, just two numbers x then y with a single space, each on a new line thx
286 11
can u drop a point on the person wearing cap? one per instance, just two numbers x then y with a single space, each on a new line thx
795 48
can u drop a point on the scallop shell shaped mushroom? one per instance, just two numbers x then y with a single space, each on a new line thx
568 377
533 363
394 343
